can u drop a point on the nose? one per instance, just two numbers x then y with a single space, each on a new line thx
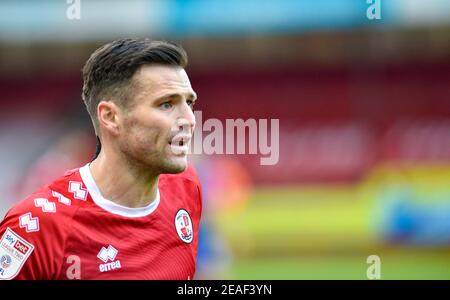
187 118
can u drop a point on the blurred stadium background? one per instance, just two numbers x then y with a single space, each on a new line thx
364 110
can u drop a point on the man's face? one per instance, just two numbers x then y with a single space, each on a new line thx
159 122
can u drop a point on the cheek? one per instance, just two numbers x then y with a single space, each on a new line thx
149 134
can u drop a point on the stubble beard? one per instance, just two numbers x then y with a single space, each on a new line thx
152 160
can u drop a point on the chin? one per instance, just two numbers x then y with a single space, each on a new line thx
175 167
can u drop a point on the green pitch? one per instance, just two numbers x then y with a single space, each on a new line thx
322 232
399 265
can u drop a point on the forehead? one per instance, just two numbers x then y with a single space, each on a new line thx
157 80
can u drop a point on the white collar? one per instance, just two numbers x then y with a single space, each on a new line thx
111 206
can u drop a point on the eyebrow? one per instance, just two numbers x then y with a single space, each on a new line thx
190 96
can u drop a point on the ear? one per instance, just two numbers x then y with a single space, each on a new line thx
108 114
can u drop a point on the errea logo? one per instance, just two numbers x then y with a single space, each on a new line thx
108 254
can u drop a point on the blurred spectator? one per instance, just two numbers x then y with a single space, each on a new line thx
69 151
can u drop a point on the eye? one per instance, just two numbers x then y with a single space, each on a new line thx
166 105
190 103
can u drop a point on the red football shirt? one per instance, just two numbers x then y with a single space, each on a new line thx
67 230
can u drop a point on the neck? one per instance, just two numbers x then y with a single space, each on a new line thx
123 183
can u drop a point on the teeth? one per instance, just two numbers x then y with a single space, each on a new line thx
179 141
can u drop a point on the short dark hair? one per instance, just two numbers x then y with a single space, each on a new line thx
109 70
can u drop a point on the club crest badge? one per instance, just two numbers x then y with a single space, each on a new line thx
183 224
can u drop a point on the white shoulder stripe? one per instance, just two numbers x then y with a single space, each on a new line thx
45 205
61 198
30 223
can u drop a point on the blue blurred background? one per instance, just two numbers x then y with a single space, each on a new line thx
361 91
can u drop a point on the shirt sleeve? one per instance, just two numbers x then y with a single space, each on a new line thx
32 241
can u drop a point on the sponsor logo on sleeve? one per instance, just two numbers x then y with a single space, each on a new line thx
14 252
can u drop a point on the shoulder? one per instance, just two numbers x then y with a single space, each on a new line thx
40 216
43 204
33 235
185 185
56 199
49 209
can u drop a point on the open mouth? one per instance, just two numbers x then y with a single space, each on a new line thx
179 141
